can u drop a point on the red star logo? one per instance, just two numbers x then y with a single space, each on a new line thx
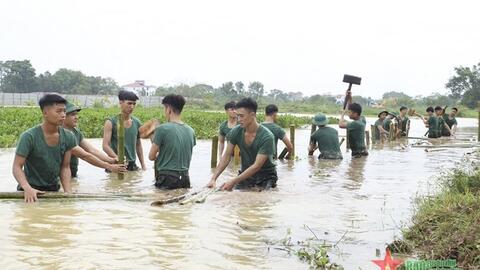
387 263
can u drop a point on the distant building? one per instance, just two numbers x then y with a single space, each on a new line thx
140 88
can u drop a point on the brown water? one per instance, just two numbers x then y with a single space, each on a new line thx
366 199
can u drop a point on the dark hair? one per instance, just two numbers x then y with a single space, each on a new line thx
229 105
355 107
430 109
454 108
271 109
247 103
127 95
438 108
51 99
175 102
403 108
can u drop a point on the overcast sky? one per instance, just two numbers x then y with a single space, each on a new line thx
306 46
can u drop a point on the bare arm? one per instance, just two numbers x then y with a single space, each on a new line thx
65 173
140 154
312 147
448 128
287 143
30 194
224 161
107 136
454 129
382 130
90 158
154 149
221 145
249 172
342 123
97 153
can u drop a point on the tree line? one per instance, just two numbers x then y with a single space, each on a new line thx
20 77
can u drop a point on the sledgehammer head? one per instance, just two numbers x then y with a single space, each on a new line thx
351 79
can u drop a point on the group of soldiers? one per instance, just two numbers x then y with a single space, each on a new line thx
47 154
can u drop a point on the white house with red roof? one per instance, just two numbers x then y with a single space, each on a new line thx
140 88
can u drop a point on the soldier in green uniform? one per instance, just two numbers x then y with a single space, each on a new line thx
133 144
257 147
380 131
431 122
388 122
356 130
403 121
226 126
84 149
172 146
42 157
325 139
441 124
451 121
271 112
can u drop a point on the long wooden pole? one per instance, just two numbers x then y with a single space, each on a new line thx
236 155
121 142
213 162
292 139
312 130
61 195
373 130
367 137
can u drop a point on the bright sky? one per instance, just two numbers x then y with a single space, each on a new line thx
410 45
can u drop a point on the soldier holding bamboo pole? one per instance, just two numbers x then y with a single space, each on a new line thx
271 113
133 144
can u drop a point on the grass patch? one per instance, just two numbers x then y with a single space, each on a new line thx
447 226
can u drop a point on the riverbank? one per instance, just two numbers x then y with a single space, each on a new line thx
15 120
446 225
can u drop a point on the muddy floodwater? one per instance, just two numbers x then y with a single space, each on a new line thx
367 201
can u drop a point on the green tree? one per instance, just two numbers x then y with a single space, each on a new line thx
255 89
17 77
465 84
227 90
239 88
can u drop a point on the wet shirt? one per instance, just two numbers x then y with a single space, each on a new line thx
432 127
440 126
327 140
263 144
278 133
131 137
404 125
450 122
43 162
223 130
378 123
386 124
74 160
356 136
176 142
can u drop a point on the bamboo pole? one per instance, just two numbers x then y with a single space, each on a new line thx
214 159
61 195
121 142
367 137
373 129
347 140
236 155
292 139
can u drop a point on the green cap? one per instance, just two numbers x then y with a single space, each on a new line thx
72 108
320 120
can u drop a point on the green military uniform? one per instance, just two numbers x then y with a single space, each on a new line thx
404 125
175 142
356 137
74 160
450 122
263 144
433 127
327 140
223 130
378 123
278 134
131 137
440 126
43 162
386 124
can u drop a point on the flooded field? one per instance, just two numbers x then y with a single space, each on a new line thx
357 204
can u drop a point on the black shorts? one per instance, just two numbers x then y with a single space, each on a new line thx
260 180
168 181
